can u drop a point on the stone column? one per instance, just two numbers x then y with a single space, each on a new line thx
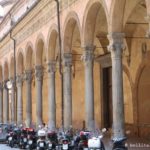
5 103
116 47
28 78
1 102
67 90
88 57
19 100
51 92
13 107
39 82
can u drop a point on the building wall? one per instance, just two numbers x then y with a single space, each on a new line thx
79 23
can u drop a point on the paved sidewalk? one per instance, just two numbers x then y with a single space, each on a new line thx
132 143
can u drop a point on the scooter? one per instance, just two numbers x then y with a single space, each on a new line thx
23 138
52 140
41 143
81 141
95 142
32 138
119 144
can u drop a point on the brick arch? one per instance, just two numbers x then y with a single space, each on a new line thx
29 53
71 21
89 20
40 49
52 42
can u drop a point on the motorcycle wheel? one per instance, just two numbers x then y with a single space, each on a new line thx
11 144
102 146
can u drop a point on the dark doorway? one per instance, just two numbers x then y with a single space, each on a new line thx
107 97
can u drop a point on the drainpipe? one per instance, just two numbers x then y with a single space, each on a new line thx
14 42
60 60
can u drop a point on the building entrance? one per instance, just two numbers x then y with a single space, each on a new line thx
107 97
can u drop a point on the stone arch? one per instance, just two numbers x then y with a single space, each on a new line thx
135 91
29 60
20 63
143 102
6 71
117 17
53 42
40 50
95 24
128 96
71 23
143 69
11 66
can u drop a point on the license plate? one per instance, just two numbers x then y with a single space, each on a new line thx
65 146
10 138
50 145
41 144
85 148
30 142
25 140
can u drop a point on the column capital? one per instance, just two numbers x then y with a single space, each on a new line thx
147 18
39 72
116 44
28 75
67 59
51 66
88 54
5 84
19 80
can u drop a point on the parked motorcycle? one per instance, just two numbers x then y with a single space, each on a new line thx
23 138
32 138
41 143
119 144
81 141
95 141
52 140
14 137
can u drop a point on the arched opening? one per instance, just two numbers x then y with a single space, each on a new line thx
53 45
12 67
72 44
1 74
29 66
30 62
95 30
41 60
144 102
40 53
20 64
6 71
135 28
